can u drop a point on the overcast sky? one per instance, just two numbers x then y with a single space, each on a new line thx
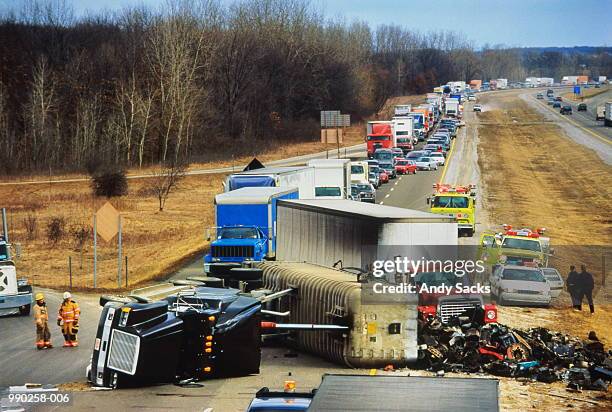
521 23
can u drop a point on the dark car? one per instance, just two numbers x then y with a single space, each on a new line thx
582 107
365 192
566 110
556 104
558 99
389 169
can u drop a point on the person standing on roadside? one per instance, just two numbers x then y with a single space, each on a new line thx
572 287
41 317
586 285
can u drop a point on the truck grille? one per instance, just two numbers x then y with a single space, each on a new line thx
123 355
232 251
528 292
456 308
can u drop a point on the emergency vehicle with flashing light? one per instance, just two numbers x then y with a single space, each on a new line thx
511 246
457 201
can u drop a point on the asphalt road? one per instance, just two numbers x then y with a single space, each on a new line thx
579 126
21 362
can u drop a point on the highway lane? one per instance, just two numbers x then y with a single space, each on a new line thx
21 362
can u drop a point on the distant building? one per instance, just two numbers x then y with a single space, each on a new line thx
575 80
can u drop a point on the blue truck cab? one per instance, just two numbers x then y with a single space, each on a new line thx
245 225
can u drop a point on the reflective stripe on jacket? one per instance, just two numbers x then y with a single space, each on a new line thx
69 311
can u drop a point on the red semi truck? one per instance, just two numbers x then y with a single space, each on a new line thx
380 136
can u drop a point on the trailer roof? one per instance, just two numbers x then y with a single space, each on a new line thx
367 211
272 170
400 393
252 195
328 162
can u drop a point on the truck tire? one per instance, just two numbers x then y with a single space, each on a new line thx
104 299
25 311
222 270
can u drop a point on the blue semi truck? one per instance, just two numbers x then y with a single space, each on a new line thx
245 225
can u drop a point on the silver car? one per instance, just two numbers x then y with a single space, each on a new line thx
520 285
553 277
426 163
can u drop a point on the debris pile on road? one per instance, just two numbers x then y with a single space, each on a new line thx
536 354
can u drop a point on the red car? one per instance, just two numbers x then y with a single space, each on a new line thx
405 167
384 177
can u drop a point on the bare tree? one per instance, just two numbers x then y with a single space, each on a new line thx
39 110
164 181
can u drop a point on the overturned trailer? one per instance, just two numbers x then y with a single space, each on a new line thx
379 332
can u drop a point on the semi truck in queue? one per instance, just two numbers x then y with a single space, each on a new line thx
457 201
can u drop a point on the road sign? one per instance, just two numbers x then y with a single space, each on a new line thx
576 89
107 222
333 118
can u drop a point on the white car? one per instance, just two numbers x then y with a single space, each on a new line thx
438 157
426 163
519 285
553 277
477 108
472 98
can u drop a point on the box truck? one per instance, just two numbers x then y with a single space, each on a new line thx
404 133
359 172
452 107
332 178
301 177
245 225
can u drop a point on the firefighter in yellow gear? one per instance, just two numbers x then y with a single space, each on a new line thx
41 317
68 319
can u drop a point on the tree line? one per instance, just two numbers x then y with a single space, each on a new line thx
170 85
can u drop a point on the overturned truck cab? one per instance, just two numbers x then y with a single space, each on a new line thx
195 334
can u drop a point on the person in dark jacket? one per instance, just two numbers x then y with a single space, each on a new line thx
586 285
572 287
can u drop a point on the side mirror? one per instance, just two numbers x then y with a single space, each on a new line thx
208 236
427 200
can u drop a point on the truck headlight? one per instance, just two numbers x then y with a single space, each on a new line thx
216 259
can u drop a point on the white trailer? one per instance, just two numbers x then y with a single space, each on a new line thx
326 231
452 107
301 177
502 83
403 131
332 178
402 109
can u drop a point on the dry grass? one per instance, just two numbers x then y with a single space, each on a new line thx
586 93
155 242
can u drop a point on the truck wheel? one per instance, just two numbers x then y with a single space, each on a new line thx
104 299
25 311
